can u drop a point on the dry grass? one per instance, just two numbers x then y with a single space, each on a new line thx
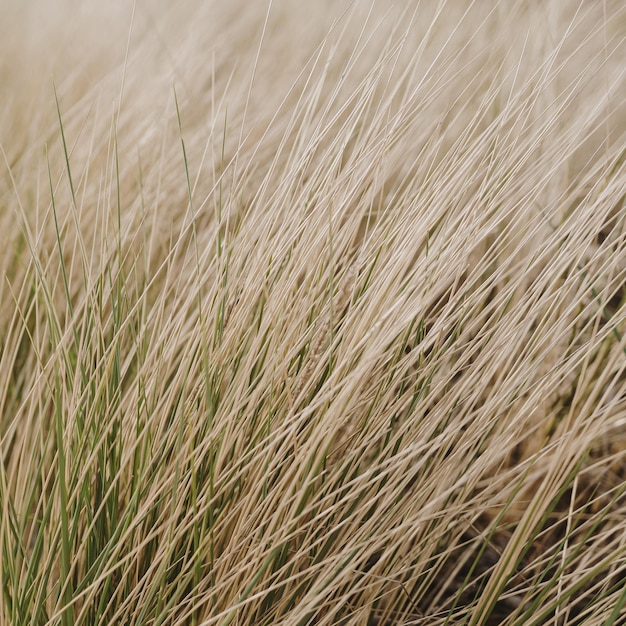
313 313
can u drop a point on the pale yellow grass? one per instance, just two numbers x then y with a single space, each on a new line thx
313 313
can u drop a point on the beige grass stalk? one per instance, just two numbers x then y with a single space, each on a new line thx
312 313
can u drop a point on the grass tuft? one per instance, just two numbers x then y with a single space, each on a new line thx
322 322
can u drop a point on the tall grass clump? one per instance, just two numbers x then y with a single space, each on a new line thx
313 313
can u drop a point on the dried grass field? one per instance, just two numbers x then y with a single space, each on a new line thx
313 313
